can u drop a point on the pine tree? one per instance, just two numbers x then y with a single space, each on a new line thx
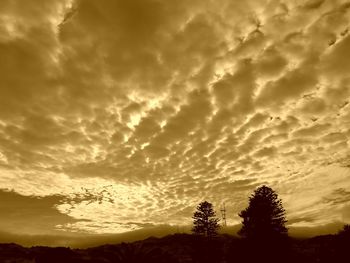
205 222
264 217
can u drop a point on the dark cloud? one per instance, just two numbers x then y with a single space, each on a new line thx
30 214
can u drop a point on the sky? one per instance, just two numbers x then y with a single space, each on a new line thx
121 116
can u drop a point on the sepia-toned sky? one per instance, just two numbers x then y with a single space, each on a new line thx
123 115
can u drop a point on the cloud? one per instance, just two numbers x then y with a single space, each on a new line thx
266 152
315 106
30 214
291 86
271 63
339 196
311 131
123 114
335 63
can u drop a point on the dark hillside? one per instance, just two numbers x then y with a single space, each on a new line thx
183 248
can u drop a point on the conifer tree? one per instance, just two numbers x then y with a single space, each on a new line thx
205 222
264 217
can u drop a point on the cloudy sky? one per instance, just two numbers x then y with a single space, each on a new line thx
118 116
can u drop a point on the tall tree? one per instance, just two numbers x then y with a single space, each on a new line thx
205 222
264 217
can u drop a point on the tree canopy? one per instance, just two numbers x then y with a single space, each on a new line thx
345 230
205 222
264 217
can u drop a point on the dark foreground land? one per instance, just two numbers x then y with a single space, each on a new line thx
189 248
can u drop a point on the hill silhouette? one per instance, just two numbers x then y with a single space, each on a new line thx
179 248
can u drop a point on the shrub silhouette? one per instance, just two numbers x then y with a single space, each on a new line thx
141 253
206 250
205 221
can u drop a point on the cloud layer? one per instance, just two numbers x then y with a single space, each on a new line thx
116 115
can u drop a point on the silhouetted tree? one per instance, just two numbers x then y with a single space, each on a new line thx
205 222
345 232
265 215
342 241
263 226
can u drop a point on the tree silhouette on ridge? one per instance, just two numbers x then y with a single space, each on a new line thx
205 222
264 217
